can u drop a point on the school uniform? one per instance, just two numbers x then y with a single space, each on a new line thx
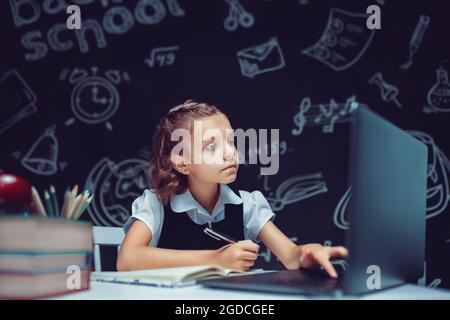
180 223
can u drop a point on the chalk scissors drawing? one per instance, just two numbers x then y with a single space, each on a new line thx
296 189
237 15
325 115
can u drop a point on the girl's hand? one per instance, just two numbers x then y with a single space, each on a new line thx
238 256
311 254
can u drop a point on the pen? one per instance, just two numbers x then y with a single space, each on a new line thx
220 236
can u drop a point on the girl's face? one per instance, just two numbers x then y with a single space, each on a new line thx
218 152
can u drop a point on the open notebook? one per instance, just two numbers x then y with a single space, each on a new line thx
169 277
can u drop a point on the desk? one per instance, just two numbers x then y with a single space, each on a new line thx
103 290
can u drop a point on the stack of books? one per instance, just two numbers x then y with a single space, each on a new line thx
41 257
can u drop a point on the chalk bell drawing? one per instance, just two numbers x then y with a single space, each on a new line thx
17 100
115 185
237 15
438 191
438 96
389 92
296 189
416 40
260 59
94 98
42 157
344 40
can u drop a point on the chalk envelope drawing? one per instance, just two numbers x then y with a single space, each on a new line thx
261 59
296 189
237 15
438 191
115 186
438 96
17 100
42 157
344 40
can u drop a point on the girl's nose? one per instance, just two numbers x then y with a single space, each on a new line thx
229 153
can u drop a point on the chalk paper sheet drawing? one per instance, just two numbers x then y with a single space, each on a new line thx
263 58
17 100
344 40
115 186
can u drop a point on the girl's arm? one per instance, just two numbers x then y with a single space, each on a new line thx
296 256
135 254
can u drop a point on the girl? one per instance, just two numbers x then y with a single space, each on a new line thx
167 222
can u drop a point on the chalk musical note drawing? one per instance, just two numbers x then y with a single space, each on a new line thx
115 186
438 191
163 56
94 98
266 254
389 93
260 59
17 100
422 281
344 40
438 96
325 115
296 189
42 157
416 40
237 15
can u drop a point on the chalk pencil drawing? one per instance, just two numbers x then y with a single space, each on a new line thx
17 100
162 56
263 58
94 98
438 191
344 40
389 92
237 15
325 115
438 96
416 40
42 157
115 186
296 189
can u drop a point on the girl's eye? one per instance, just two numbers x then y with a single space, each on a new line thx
231 141
211 147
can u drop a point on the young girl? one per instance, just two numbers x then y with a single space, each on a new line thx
167 222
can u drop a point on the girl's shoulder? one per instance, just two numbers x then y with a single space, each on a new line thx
252 197
148 201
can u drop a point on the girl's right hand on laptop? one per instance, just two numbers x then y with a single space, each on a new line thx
238 256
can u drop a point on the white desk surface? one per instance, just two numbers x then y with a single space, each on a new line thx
103 291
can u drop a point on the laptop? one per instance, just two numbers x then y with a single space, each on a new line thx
386 211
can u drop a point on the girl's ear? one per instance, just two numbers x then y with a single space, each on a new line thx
179 164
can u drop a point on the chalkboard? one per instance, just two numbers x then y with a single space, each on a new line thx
80 106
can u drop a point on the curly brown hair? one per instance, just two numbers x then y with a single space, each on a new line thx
164 178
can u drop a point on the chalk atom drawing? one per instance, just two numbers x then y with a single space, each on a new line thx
324 115
344 40
115 186
17 100
237 15
260 59
42 157
94 98
296 189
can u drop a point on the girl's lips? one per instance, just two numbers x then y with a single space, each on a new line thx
233 166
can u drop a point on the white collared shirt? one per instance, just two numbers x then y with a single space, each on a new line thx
149 209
